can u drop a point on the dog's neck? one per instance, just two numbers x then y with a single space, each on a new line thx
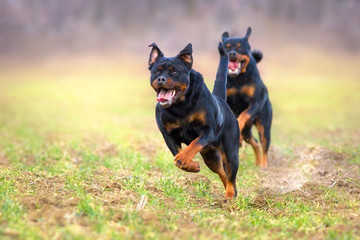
195 87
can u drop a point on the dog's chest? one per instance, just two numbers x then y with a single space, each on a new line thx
238 97
186 128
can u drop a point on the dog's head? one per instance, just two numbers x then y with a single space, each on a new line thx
170 77
238 50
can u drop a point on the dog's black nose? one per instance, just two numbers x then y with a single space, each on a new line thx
232 54
161 80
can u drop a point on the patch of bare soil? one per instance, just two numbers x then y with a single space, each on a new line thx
307 177
312 164
106 149
108 187
4 162
47 201
191 180
117 197
147 148
102 147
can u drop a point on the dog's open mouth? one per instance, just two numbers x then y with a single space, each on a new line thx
236 67
166 97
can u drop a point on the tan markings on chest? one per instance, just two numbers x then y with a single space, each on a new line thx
231 91
169 126
199 117
248 90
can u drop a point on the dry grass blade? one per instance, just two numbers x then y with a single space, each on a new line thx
142 203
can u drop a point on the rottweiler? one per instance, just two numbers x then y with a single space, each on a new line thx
187 112
247 95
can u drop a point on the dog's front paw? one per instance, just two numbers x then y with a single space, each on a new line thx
185 163
221 50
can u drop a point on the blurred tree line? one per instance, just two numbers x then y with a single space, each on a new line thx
43 26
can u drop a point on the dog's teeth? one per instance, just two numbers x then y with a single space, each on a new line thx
173 93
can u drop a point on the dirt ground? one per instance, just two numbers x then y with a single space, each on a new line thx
306 174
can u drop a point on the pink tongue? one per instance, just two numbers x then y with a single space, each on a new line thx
233 65
164 95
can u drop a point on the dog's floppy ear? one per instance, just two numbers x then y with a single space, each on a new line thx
155 54
186 56
224 36
248 32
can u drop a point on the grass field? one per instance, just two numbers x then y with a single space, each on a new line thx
79 151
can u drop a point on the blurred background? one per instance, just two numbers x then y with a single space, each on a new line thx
43 29
49 28
94 53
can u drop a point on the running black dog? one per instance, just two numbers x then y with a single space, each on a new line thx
247 95
188 113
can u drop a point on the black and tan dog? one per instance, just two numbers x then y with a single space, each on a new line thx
247 95
188 113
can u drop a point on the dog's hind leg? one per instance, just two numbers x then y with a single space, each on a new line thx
264 134
263 126
212 159
230 159
249 138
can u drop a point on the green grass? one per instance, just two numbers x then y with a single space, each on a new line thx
79 147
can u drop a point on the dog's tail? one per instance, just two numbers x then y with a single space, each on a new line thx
221 75
257 55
